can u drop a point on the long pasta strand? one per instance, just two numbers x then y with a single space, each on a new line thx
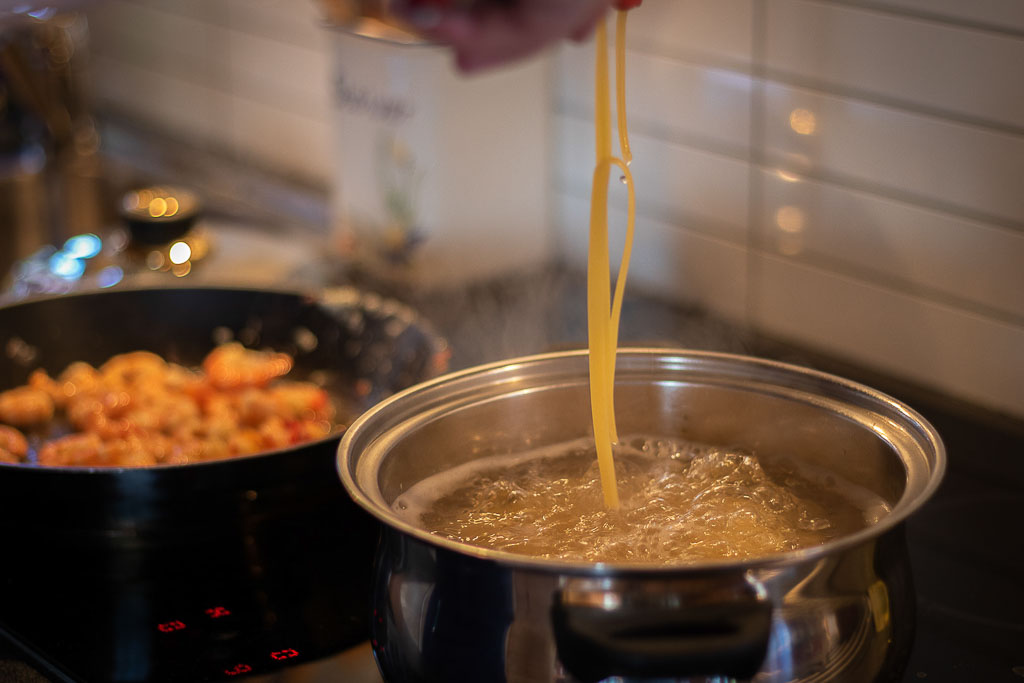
598 278
627 176
604 310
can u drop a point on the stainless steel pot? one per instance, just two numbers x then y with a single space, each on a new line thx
447 611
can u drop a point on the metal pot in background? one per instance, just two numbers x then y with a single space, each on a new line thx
50 177
842 611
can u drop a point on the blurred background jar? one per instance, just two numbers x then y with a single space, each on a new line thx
440 177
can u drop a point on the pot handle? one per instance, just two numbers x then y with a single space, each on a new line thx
727 639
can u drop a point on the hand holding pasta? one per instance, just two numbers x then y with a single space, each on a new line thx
494 33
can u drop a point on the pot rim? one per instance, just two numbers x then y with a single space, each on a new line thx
908 503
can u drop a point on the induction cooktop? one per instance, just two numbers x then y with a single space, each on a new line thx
188 628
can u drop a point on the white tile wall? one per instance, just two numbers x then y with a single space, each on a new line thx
892 151
946 257
164 42
954 350
247 76
843 174
675 183
286 76
672 99
183 107
997 15
930 64
670 261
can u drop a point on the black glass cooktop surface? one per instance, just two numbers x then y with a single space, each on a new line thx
267 607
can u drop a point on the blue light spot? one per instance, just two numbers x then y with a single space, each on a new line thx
83 246
109 276
64 265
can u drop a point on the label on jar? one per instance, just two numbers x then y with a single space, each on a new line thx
440 177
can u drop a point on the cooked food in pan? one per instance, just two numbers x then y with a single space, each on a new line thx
138 410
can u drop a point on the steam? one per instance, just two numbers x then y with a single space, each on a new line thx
542 311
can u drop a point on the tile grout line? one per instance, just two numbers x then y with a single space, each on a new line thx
924 15
786 78
768 163
756 141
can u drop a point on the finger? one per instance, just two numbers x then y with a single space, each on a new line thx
584 31
495 35
484 40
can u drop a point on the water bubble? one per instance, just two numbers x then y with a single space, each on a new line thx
705 504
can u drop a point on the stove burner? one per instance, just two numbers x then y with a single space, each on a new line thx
284 591
166 631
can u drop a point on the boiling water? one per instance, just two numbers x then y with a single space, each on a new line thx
679 503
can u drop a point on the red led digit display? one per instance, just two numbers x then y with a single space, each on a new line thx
238 669
217 612
169 626
284 654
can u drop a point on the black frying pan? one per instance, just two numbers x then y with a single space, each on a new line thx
251 516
